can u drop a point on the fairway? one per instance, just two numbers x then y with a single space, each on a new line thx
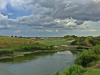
54 41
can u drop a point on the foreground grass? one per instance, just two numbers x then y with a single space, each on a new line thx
94 70
54 41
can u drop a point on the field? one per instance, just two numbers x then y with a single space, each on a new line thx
54 41
12 42
10 45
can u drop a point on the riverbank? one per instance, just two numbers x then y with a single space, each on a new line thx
79 70
89 60
59 48
16 54
15 46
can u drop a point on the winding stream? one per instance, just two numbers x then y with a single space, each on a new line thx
37 63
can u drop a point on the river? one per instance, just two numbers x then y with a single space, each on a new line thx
37 63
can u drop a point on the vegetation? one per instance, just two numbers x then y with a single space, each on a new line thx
87 41
8 45
55 41
79 47
88 56
6 51
88 59
16 45
72 70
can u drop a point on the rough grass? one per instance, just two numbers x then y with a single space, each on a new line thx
92 72
12 42
54 41
8 45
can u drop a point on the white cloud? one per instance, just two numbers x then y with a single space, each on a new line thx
18 4
92 30
17 31
10 13
1 26
40 30
96 1
3 17
49 30
57 21
56 30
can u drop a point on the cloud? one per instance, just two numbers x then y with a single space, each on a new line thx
56 30
40 30
92 30
17 4
58 14
78 10
3 17
79 22
10 13
49 31
17 31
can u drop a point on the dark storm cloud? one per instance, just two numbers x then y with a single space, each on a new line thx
51 10
79 10
79 22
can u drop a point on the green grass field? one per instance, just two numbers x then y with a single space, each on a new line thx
54 41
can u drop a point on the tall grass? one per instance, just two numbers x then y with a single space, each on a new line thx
6 51
11 42
35 47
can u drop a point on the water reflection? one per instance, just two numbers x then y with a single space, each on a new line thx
26 57
37 63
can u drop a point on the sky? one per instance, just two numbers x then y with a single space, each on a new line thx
49 18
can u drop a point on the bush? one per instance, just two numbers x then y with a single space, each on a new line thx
79 47
51 46
6 51
86 57
75 70
35 47
91 41
57 73
74 42
96 49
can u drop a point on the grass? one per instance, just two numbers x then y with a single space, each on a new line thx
16 54
72 70
89 59
9 45
12 42
6 51
92 72
54 41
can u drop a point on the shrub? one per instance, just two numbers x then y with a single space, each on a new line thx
48 48
86 57
96 49
6 51
57 73
79 47
74 42
51 46
91 41
75 70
